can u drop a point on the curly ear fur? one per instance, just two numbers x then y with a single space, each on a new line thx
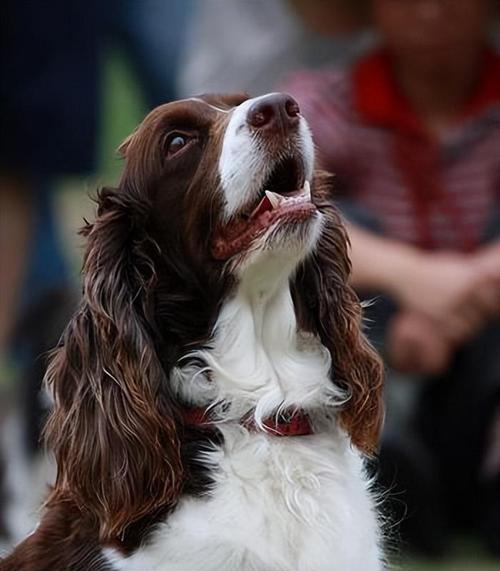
112 429
328 306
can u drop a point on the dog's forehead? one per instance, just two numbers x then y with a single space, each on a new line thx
214 105
223 102
206 110
203 107
178 111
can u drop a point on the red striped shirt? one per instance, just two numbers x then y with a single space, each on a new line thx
432 193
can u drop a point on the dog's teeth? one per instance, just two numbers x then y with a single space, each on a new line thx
307 190
274 198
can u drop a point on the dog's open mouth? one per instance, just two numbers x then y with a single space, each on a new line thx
285 197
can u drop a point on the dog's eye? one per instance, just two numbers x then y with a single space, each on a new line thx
176 142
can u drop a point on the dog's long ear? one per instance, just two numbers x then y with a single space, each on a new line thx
326 305
112 428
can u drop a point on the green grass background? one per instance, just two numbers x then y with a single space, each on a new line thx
122 109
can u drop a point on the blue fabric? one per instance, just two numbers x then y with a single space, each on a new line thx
49 68
47 267
152 33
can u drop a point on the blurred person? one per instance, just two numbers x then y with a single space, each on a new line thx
15 214
235 45
48 112
152 36
50 91
49 57
412 133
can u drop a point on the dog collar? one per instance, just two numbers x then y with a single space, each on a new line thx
293 423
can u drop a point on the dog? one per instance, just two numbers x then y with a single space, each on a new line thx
215 399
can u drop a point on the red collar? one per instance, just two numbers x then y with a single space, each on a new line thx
378 99
294 424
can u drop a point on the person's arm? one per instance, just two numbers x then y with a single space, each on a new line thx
455 290
489 256
379 264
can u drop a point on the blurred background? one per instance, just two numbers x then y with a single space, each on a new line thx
403 99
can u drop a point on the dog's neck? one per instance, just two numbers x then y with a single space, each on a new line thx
258 322
258 360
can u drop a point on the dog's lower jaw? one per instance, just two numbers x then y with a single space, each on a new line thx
279 250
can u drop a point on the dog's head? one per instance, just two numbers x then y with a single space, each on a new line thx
212 186
227 178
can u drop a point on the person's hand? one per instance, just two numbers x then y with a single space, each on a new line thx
488 259
415 345
459 293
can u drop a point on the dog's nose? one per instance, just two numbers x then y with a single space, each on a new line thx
275 111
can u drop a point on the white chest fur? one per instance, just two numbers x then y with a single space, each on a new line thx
278 504
258 360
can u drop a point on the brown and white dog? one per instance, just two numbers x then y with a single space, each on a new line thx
214 396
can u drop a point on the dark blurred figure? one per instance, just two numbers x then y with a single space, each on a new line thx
49 84
48 114
152 35
51 55
412 131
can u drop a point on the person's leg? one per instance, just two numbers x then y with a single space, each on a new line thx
16 215
3 497
455 420
489 486
47 301
15 232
